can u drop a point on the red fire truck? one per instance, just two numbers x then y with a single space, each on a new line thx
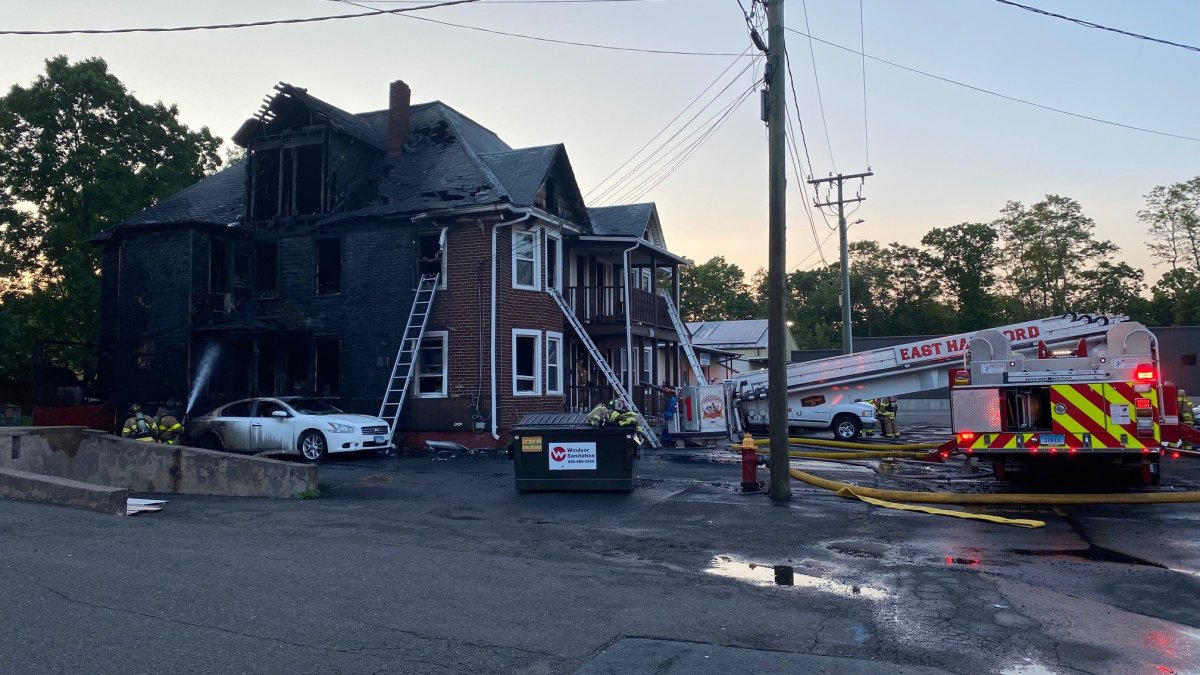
1101 398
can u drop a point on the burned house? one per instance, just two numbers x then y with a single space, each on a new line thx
294 271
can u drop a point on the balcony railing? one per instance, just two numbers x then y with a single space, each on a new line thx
606 304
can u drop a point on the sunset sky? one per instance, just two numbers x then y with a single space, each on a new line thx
942 153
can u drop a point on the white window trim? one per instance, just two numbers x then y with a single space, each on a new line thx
445 392
537 361
537 260
553 239
554 386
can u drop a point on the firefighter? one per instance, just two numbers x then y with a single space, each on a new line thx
890 430
870 431
670 408
169 428
139 427
1187 414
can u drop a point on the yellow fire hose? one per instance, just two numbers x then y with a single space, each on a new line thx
889 498
827 443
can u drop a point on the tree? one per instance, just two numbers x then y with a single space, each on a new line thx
1046 248
1172 216
716 291
963 260
1176 298
81 153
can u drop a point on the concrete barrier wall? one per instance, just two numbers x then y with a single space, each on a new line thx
93 457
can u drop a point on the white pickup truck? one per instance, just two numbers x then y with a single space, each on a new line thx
846 419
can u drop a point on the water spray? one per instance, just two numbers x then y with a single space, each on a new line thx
203 371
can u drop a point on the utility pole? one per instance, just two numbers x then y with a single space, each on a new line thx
844 239
780 487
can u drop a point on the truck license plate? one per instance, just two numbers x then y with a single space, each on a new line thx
380 439
1053 439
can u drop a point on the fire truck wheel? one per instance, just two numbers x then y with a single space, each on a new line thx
846 427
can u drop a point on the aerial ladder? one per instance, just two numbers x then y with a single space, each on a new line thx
907 368
611 376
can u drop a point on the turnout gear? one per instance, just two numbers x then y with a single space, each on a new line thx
1186 409
170 430
139 427
870 431
885 410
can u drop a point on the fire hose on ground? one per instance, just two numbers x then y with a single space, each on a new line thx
891 498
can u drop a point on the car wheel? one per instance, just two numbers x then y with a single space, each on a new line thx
846 427
312 445
211 442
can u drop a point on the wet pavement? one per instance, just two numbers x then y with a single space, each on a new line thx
432 563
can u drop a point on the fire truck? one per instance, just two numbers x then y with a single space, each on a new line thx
1100 399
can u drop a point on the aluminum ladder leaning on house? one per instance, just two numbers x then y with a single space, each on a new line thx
685 339
410 346
609 374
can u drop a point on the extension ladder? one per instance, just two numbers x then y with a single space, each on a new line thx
406 356
685 339
613 380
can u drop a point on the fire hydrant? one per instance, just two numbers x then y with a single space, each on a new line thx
749 464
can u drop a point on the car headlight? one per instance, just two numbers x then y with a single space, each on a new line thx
341 428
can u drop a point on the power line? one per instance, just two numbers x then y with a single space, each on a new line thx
668 125
827 237
501 2
817 81
637 170
794 156
247 24
1089 24
992 93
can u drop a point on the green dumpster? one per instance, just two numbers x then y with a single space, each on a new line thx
561 451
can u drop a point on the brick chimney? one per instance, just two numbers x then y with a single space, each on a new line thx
399 97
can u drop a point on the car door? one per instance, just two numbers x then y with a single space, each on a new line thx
814 411
271 432
233 426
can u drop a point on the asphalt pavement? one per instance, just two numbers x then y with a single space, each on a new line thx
433 563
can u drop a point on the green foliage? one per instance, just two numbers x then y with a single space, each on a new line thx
962 260
1172 217
78 153
716 291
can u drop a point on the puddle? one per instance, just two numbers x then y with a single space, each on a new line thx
767 575
1028 667
1092 553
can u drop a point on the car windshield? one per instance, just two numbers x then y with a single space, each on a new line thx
312 406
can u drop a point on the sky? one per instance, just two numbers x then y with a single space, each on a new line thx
942 154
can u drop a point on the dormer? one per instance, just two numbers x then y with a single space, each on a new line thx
307 158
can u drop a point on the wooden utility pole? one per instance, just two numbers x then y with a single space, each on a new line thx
844 240
780 487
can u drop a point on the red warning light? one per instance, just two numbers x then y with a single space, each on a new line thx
965 436
1145 373
1174 455
1142 403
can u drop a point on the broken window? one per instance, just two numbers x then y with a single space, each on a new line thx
296 367
329 266
432 365
553 253
526 362
524 260
547 197
431 258
329 362
266 270
288 177
218 266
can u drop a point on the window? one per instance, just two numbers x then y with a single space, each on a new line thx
553 255
288 177
647 363
812 401
329 266
266 270
1187 359
218 266
525 260
329 365
431 258
267 408
239 409
547 197
432 366
527 367
554 382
